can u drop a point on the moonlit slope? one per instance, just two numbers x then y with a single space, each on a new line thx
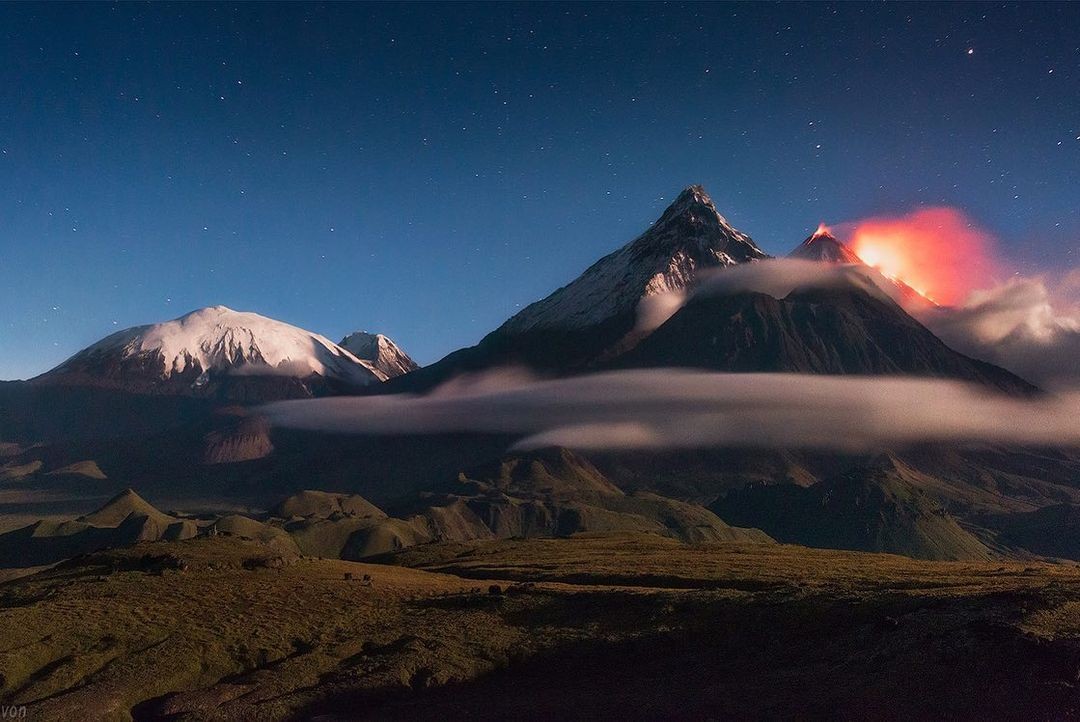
220 340
380 352
690 236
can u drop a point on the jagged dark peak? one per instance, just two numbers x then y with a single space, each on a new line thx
693 220
695 205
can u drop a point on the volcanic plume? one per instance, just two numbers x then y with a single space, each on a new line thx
939 252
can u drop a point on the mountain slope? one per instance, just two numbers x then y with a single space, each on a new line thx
383 354
871 508
554 472
554 492
691 235
122 506
196 353
589 317
811 330
323 504
123 521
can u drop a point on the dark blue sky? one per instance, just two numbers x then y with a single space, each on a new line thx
425 170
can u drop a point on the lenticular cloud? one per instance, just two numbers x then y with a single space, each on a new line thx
671 408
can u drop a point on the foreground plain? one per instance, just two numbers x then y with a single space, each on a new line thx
593 626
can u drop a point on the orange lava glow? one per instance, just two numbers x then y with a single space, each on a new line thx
822 230
939 252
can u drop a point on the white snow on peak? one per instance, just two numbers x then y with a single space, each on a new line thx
218 338
690 236
380 351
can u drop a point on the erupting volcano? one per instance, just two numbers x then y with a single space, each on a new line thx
823 246
938 252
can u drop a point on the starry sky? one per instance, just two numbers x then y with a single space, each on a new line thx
426 170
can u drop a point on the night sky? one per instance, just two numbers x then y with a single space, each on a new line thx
424 171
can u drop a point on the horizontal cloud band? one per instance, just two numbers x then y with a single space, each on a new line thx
674 408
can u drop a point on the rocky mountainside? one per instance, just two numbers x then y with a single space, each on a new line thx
825 331
872 508
554 492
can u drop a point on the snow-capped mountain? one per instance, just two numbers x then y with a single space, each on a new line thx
379 351
691 235
595 316
823 246
205 347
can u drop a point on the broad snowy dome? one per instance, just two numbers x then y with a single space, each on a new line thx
219 339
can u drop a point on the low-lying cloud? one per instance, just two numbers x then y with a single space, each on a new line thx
776 277
1031 326
674 408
